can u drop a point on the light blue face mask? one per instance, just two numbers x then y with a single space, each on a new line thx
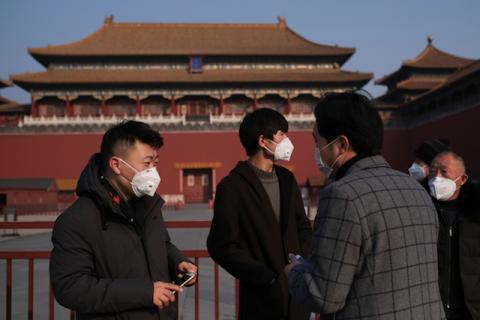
417 172
327 170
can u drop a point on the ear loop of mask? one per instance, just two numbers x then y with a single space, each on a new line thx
326 146
456 188
128 165
125 162
272 152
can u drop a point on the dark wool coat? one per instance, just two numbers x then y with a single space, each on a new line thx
101 266
247 240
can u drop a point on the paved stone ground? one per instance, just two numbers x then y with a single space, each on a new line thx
183 238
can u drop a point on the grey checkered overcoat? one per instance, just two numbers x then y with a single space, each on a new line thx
374 249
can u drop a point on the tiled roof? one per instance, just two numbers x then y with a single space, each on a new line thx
66 184
429 58
4 101
467 71
14 108
414 83
463 72
432 57
10 106
170 39
95 76
5 83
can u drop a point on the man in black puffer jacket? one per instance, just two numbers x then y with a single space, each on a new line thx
458 205
112 257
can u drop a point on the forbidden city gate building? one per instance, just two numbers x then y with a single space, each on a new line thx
183 77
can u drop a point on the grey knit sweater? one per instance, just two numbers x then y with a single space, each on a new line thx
269 181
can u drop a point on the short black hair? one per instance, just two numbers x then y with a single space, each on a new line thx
353 115
263 121
429 149
127 133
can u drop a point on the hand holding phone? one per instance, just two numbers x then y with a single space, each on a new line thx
185 278
295 258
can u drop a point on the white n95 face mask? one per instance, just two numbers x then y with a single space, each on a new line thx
442 188
283 151
144 182
417 172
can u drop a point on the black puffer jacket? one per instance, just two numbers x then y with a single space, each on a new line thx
459 250
102 266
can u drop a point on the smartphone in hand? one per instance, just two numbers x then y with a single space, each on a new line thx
185 279
295 258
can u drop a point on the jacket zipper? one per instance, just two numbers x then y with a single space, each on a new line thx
450 235
142 238
449 270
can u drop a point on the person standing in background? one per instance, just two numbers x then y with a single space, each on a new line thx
424 155
458 206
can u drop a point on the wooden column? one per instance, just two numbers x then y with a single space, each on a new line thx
173 106
139 106
288 109
69 111
222 106
255 103
105 112
34 107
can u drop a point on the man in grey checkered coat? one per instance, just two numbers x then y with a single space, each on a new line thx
374 248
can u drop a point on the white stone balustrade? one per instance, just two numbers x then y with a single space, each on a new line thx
100 120
300 117
160 119
232 118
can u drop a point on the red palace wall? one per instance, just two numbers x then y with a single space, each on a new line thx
65 155
29 197
460 129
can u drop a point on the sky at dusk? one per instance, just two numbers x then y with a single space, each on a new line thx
384 32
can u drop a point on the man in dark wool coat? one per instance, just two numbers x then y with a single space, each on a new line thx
259 219
112 257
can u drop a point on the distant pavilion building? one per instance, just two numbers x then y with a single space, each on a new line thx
11 113
415 77
456 97
182 76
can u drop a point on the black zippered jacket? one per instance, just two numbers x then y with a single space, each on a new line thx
459 251
103 267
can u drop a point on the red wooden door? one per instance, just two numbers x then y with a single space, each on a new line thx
197 185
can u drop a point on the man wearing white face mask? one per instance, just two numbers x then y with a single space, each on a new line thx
458 206
424 155
259 219
112 256
374 246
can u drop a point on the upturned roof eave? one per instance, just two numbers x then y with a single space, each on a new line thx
23 81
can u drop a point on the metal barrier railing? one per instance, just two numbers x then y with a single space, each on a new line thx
31 256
